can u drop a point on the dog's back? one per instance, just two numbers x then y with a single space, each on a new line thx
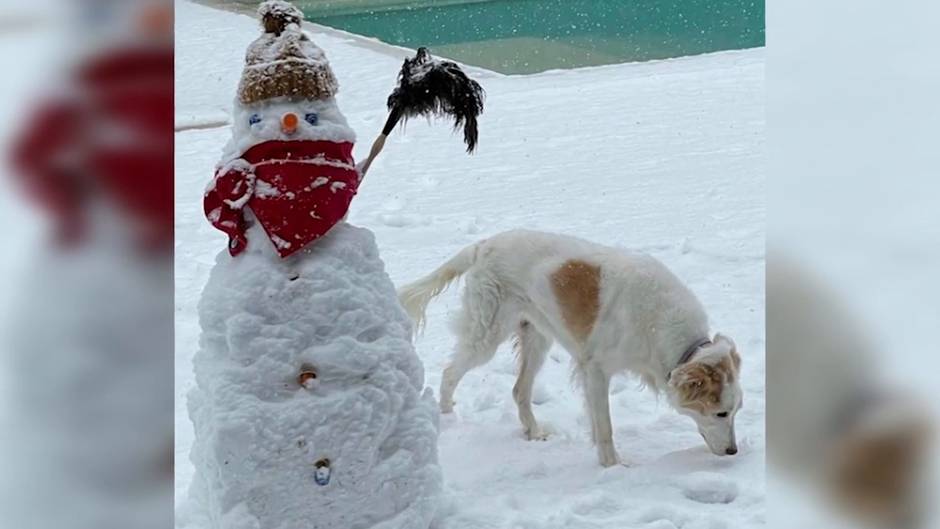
545 271
519 257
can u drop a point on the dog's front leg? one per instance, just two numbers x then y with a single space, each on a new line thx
596 390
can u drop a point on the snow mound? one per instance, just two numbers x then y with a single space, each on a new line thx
708 487
308 409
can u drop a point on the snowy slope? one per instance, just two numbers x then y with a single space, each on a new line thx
664 157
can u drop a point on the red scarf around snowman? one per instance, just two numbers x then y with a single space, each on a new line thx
289 165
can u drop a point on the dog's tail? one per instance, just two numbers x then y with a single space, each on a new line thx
416 296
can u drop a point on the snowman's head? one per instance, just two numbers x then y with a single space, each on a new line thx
286 120
283 119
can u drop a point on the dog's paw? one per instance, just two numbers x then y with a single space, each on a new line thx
535 434
608 458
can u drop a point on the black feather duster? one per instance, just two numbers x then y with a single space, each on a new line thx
428 86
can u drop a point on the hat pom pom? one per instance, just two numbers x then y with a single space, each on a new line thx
276 15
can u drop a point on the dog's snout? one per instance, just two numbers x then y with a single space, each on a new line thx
731 451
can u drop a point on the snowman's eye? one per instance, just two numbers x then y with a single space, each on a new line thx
255 118
311 118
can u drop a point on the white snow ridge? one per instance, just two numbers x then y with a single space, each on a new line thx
307 409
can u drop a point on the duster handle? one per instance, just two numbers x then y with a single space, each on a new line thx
377 146
379 142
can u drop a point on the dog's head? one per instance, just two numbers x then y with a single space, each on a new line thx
707 389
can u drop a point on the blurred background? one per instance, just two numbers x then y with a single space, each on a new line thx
86 290
853 257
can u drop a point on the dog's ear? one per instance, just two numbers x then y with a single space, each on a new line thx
735 357
696 382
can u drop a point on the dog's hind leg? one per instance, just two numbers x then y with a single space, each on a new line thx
483 323
531 346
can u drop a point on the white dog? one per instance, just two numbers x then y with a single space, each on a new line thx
612 311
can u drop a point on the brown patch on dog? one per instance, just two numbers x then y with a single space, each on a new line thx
577 286
876 474
700 384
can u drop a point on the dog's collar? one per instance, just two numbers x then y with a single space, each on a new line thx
689 353
859 404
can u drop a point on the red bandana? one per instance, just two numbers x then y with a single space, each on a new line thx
298 190
68 155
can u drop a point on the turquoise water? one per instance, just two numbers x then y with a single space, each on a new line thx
527 36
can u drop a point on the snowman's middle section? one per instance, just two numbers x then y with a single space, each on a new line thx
310 407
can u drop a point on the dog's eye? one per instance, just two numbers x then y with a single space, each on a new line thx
311 118
723 414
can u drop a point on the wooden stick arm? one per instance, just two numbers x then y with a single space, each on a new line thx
377 147
393 116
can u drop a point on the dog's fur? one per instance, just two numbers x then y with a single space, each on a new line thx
612 311
835 422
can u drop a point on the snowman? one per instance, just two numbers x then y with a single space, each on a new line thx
309 410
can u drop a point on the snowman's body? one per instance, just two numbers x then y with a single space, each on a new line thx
261 434
309 408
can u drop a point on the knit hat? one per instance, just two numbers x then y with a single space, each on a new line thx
283 61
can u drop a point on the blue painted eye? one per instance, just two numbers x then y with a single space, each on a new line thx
311 118
255 118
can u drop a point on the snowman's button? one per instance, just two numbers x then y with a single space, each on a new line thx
307 377
322 473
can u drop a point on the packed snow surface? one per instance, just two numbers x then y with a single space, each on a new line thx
663 157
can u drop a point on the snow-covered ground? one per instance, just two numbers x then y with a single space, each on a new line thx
665 157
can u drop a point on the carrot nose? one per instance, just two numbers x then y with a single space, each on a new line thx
289 123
